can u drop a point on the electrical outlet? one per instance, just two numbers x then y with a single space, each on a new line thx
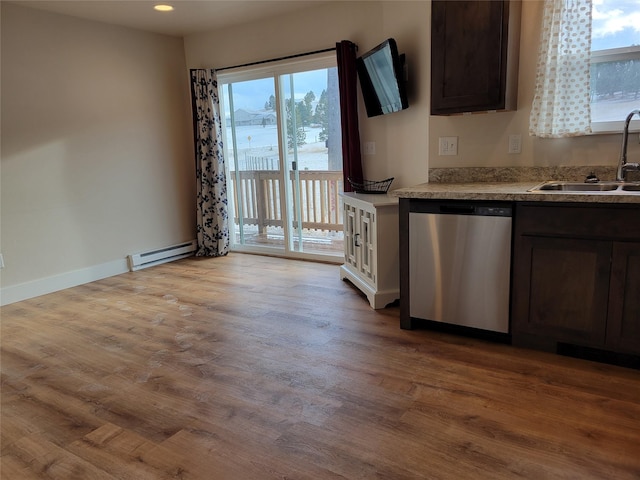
448 146
515 143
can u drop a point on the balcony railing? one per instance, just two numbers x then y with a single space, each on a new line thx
317 204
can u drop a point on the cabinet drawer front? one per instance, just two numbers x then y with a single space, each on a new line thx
579 220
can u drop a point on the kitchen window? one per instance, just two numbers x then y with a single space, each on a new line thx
587 78
615 64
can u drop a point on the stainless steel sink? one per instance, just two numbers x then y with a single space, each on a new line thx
576 187
580 187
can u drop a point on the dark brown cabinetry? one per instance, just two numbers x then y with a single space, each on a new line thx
576 277
623 326
474 55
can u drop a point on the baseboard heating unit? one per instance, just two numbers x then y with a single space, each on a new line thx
138 261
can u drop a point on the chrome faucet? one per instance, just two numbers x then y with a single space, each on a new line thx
623 166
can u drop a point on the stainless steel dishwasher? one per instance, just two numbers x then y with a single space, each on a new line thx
460 263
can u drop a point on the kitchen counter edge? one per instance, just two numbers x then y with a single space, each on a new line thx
512 192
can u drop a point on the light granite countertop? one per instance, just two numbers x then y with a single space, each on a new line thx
512 192
513 185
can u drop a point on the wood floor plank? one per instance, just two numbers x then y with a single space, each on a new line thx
12 467
256 367
127 455
48 460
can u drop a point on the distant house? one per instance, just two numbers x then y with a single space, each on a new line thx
249 117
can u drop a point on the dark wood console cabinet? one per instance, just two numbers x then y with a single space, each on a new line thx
474 55
576 277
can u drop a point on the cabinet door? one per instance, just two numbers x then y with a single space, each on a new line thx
561 287
623 328
366 243
468 55
360 242
350 231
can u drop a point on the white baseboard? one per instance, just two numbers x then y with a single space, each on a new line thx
42 286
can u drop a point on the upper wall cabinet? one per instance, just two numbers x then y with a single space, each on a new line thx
474 55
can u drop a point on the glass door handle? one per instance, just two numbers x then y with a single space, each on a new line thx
356 239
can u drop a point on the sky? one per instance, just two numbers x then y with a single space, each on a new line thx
252 95
615 23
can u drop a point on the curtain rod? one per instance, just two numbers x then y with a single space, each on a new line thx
276 59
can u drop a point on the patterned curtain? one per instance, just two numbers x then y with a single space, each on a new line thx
561 104
212 217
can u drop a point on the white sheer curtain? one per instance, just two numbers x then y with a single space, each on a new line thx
561 104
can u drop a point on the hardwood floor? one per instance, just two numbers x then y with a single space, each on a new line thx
248 367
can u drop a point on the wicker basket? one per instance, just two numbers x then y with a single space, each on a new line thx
370 186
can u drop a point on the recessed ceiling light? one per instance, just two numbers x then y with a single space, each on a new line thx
163 8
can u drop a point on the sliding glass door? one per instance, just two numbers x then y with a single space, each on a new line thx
284 158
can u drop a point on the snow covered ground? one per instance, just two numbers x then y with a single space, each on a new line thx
259 141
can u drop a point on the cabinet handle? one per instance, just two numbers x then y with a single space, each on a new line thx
355 240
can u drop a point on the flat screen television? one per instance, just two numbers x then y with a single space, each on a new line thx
382 81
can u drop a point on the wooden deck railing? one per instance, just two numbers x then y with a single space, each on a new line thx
319 205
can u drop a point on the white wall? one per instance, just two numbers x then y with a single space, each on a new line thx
97 156
407 142
402 138
483 139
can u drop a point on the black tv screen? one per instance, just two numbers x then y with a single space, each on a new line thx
381 74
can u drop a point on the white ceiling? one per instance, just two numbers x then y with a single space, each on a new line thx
189 16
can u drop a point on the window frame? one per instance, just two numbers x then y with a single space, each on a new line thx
274 69
612 55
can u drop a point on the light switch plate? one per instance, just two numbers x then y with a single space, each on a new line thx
448 146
